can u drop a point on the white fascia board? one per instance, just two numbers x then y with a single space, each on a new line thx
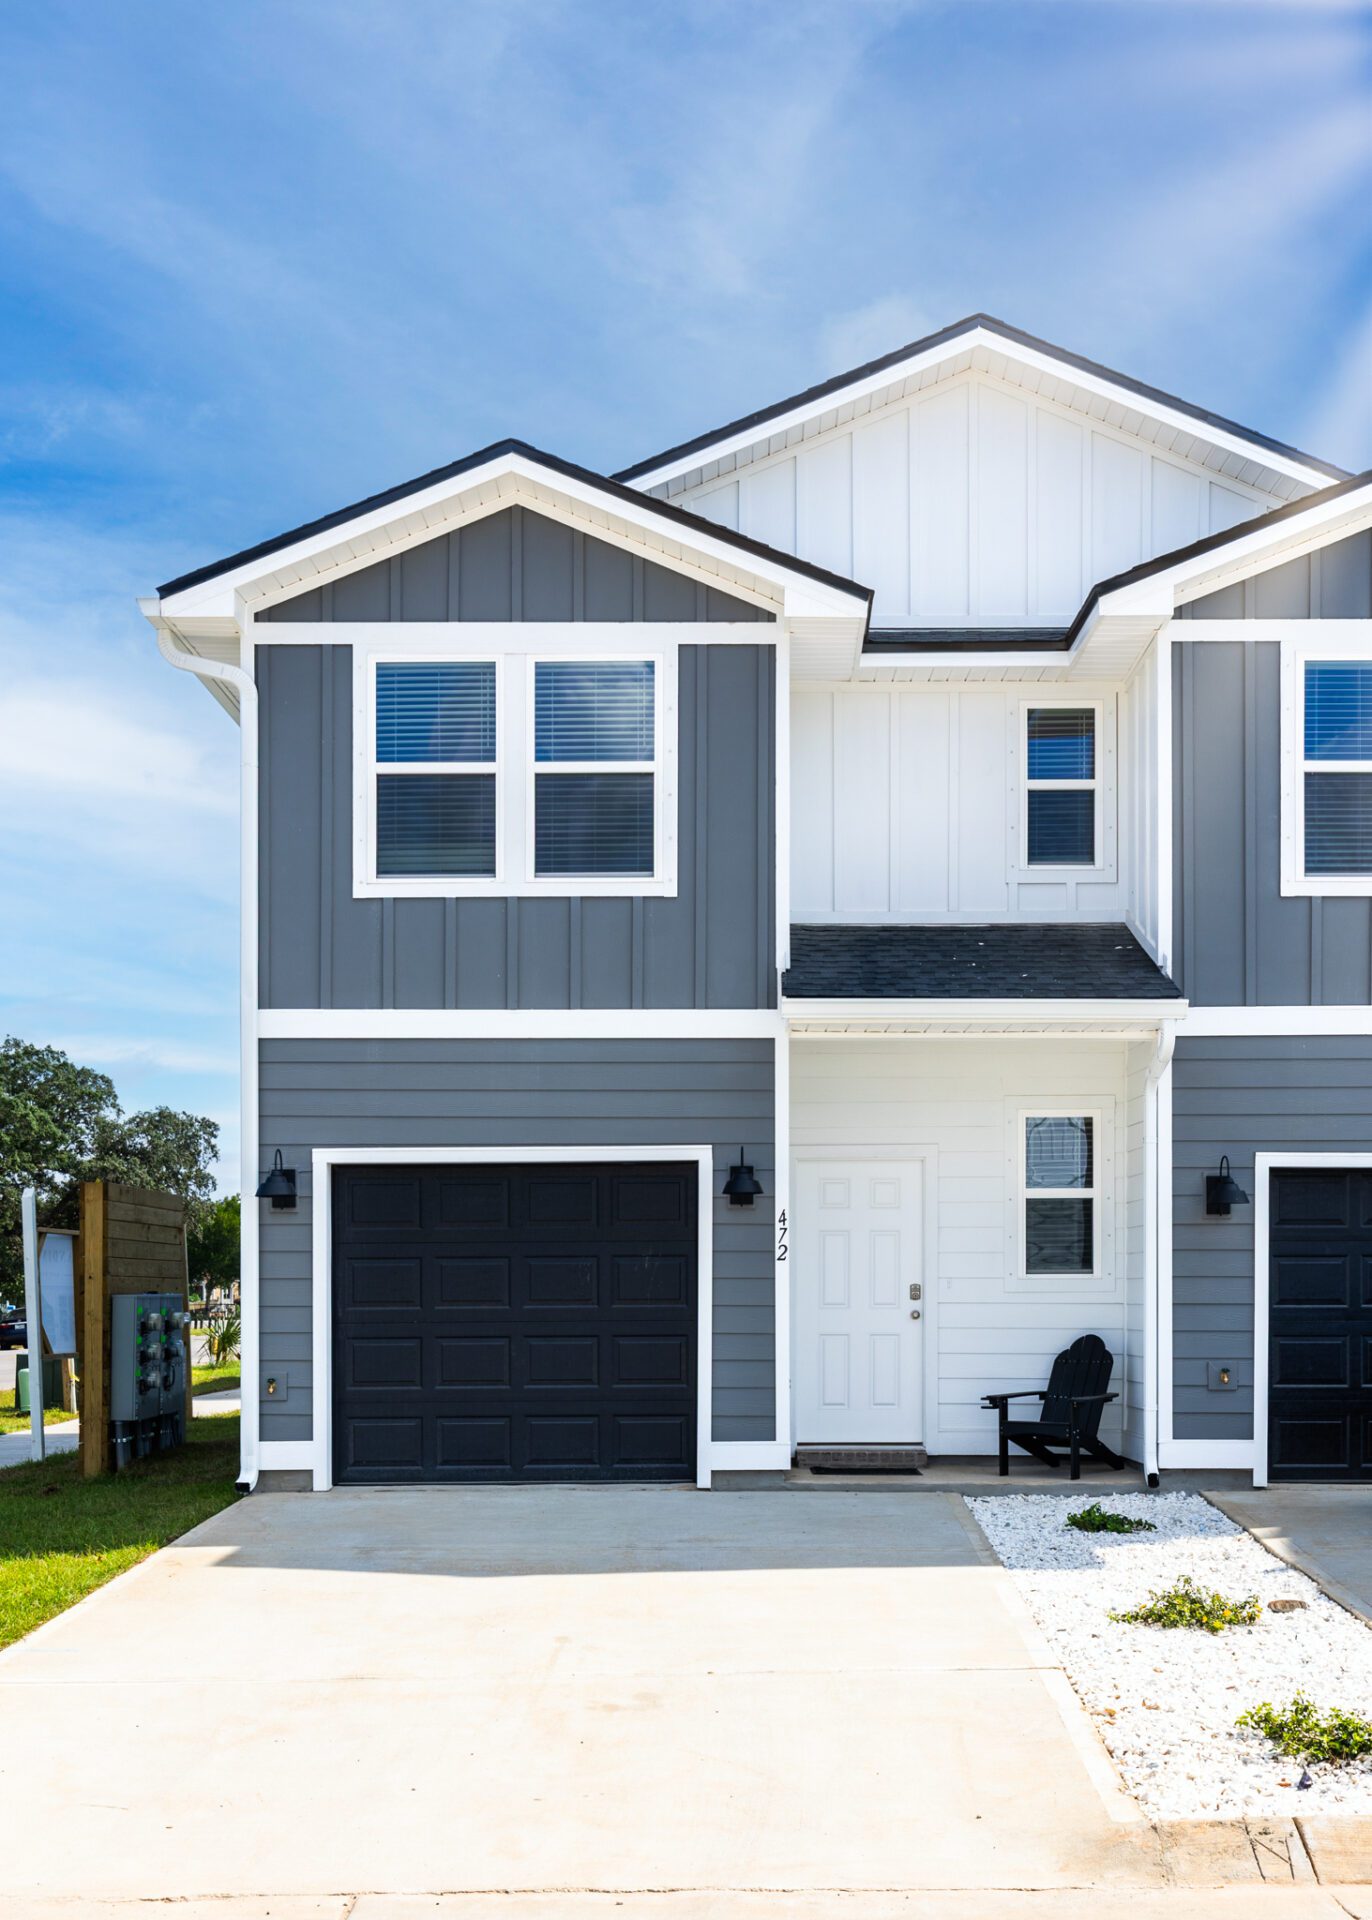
1001 1015
984 337
1159 593
502 1023
503 480
1274 1023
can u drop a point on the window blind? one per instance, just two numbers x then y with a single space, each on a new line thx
435 710
435 823
1062 743
593 823
593 710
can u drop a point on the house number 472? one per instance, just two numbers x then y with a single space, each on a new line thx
782 1248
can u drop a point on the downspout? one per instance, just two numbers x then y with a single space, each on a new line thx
1152 1231
245 686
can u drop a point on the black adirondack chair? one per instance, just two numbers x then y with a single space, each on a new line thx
1073 1402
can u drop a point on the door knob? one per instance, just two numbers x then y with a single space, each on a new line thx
914 1313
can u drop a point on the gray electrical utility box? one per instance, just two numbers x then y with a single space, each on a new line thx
148 1354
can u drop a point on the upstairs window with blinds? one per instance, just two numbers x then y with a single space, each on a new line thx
1336 776
435 768
1059 1195
1060 786
595 768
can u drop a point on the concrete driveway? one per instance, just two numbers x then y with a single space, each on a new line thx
509 1692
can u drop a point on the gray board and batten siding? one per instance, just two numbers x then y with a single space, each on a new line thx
495 1093
1239 941
713 945
1243 1096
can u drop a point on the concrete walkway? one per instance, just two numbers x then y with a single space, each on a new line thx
14 1447
1325 1531
503 1693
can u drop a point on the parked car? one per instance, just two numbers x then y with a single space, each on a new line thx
14 1332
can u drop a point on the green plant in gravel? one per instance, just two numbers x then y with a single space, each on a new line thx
1095 1519
1301 1732
1187 1605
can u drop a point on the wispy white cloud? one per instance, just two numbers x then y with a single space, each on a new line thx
55 738
108 1050
878 326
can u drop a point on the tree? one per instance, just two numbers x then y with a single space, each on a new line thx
212 1246
61 1123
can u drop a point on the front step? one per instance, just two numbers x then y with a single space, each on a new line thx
867 1459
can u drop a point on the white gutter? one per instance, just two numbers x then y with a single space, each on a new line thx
245 686
1154 1219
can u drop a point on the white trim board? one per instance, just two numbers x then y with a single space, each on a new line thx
325 1159
776 429
1213 1456
1264 1165
512 1023
1273 1022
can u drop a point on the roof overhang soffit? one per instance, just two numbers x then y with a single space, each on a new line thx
983 348
1123 621
984 1019
513 480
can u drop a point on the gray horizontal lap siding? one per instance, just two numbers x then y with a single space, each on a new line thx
445 1093
713 945
1239 942
1243 1097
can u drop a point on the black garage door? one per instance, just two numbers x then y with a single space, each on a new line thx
1320 1368
514 1322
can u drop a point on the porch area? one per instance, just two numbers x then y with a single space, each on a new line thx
963 1208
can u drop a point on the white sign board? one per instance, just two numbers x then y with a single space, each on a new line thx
57 1283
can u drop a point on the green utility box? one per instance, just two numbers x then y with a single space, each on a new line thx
52 1382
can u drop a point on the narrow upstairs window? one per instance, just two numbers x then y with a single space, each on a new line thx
1337 767
435 768
595 768
1061 793
1059 1196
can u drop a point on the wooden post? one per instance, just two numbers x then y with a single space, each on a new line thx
94 1321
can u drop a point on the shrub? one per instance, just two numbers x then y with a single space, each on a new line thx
1187 1605
1300 1732
1095 1519
224 1337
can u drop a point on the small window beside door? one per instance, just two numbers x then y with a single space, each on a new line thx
1060 1238
1061 826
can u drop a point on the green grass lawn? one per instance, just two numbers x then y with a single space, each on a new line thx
215 1379
12 1422
61 1537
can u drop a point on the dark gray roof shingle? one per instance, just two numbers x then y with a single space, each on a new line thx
1057 962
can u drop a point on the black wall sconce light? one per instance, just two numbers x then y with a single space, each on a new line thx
278 1186
1222 1190
741 1187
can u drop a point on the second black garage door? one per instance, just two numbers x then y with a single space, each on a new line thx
514 1322
1320 1368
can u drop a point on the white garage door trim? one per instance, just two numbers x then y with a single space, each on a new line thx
325 1159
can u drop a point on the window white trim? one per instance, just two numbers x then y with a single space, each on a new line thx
1101 1113
1296 655
662 767
325 1159
515 656
1104 785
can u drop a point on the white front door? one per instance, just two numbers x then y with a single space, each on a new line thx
858 1302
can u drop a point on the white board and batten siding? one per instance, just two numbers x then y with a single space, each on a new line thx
908 804
976 504
992 1328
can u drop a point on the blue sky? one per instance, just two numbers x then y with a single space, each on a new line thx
258 260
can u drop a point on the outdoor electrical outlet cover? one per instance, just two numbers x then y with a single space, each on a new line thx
1221 1376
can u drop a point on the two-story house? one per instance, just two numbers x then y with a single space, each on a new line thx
753 954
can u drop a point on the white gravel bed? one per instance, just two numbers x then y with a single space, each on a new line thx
1166 1699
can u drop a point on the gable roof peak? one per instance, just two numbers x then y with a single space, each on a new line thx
661 466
